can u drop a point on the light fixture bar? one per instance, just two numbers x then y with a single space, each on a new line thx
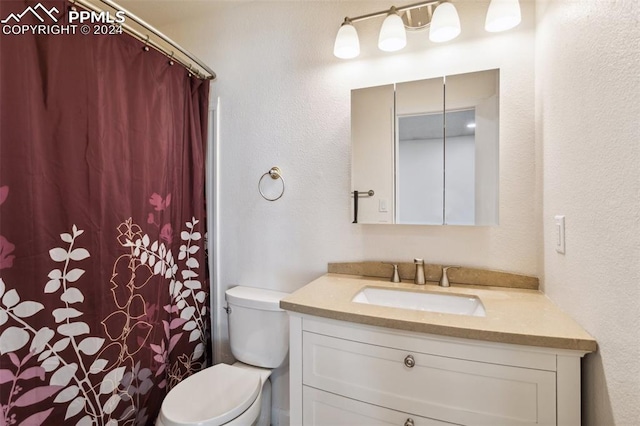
439 16
386 11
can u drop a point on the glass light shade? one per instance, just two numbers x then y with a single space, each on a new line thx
502 15
347 44
392 34
445 24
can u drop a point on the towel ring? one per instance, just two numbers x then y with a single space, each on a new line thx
274 173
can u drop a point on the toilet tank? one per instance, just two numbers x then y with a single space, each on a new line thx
258 328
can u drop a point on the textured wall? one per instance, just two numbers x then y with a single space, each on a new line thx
285 101
587 84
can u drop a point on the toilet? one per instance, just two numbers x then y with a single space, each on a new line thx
238 394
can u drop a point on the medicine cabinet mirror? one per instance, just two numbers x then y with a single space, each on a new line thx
426 152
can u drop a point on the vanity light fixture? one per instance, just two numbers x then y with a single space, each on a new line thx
347 44
471 126
445 24
502 15
439 16
392 34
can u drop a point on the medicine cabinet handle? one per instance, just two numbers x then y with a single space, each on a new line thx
409 422
409 362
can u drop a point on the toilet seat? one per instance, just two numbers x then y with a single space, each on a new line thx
211 397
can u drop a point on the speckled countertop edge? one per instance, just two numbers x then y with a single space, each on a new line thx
513 316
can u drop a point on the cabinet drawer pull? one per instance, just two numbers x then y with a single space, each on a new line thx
409 362
409 422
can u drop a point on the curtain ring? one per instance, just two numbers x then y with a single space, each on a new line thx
274 173
171 58
146 42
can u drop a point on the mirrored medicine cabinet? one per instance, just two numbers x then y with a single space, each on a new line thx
426 152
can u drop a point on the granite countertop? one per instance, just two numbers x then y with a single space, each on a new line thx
515 316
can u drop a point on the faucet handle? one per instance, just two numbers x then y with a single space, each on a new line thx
395 277
419 278
444 280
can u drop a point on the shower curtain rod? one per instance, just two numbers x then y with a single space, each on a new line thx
201 70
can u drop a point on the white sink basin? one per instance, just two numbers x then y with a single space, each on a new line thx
421 301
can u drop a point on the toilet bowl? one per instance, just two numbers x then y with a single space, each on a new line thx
238 394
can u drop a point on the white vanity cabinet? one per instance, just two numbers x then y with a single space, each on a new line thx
344 373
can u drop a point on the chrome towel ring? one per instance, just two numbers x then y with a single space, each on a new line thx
275 173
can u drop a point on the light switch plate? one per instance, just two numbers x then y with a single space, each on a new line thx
382 206
560 240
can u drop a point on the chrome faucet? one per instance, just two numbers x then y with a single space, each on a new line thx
444 280
419 279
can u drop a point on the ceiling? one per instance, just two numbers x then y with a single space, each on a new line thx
159 13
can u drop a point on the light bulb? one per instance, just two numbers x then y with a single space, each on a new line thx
347 45
445 24
502 15
392 33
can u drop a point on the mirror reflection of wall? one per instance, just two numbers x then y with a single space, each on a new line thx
432 168
420 176
480 91
460 167
444 154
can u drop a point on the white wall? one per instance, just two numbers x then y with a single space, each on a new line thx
285 102
587 84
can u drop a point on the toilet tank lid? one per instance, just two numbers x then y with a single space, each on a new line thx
256 298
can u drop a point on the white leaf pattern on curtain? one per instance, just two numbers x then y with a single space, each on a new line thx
70 378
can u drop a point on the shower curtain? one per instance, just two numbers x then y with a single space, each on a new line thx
103 291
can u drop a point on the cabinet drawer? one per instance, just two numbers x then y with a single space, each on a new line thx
326 409
447 389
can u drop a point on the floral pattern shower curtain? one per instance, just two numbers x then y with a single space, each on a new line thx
103 295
